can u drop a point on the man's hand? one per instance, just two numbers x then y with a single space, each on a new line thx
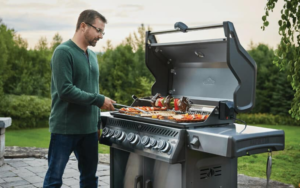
108 104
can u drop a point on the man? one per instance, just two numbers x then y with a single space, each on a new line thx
75 111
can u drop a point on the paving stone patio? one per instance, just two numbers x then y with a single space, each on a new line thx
30 173
26 168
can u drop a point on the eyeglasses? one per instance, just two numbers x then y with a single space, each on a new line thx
97 29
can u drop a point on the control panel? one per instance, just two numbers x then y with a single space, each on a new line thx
150 140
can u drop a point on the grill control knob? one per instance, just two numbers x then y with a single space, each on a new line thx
110 133
167 148
117 134
122 137
133 138
136 140
153 142
145 140
163 146
105 131
130 137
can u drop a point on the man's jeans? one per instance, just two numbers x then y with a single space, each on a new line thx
85 147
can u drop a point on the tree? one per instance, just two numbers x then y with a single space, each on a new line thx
137 42
123 71
42 44
21 43
119 78
6 46
273 92
27 71
138 39
287 56
56 40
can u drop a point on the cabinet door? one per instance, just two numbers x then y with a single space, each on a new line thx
134 172
126 169
158 174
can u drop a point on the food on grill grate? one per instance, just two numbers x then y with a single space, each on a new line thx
134 111
179 118
145 108
190 118
162 113
182 104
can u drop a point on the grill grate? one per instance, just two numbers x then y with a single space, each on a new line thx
142 128
210 172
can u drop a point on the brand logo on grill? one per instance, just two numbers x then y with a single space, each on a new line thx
210 172
209 81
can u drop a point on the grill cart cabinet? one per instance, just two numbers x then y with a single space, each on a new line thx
153 153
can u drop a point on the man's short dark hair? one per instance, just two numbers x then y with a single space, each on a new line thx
89 16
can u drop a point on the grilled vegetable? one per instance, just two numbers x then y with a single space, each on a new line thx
182 104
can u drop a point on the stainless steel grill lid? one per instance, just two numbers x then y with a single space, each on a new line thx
205 71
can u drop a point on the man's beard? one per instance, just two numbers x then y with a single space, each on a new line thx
91 41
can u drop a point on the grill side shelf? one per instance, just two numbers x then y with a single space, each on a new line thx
232 141
264 142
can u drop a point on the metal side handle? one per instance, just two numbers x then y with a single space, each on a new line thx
149 184
138 179
269 168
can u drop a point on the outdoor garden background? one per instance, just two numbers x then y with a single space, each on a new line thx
25 76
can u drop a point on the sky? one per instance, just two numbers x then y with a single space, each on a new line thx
33 19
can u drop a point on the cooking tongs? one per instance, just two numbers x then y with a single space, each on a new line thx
116 104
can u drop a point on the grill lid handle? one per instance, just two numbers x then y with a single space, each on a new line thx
181 26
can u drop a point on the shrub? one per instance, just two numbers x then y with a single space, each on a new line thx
268 119
26 111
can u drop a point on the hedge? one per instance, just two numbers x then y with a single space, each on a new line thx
268 119
26 111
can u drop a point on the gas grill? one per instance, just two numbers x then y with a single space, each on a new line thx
219 78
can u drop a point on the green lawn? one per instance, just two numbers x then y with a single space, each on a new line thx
286 164
35 138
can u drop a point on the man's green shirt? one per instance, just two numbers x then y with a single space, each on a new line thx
74 90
